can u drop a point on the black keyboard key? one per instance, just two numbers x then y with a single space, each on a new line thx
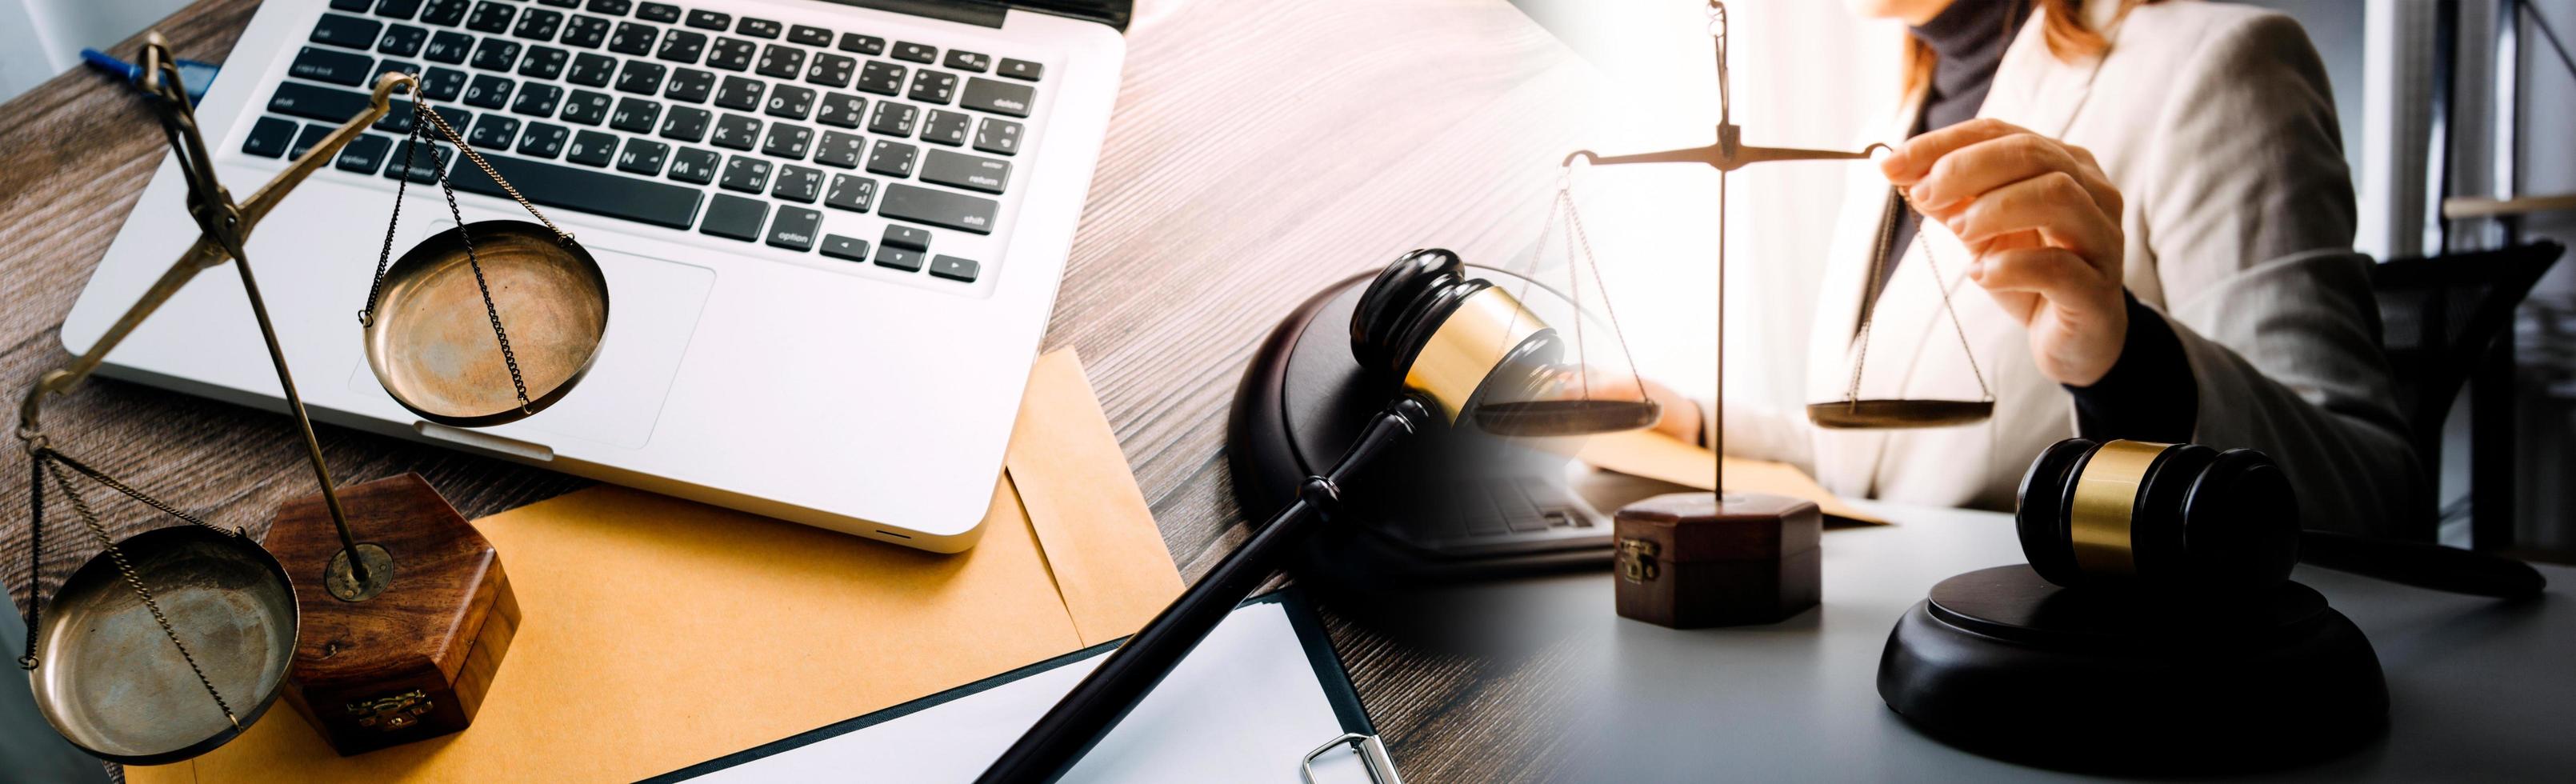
968 61
490 17
538 24
442 84
586 107
781 62
305 139
686 123
591 70
880 77
946 127
892 159
682 46
543 62
840 149
643 156
314 102
809 35
919 53
732 54
735 217
987 95
845 248
635 115
537 100
740 94
591 148
832 70
797 184
841 109
488 92
745 173
790 101
365 154
641 78
892 119
757 28
403 40
397 9
905 237
398 66
544 140
359 6
496 54
954 268
421 162
691 164
691 85
350 32
561 3
1020 69
448 46
592 191
710 20
794 229
965 171
445 13
898 258
610 7
332 65
855 43
930 86
634 39
585 32
493 132
665 13
945 209
399 117
787 141
735 132
269 137
851 192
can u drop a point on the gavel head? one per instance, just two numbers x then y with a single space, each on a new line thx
2165 517
1473 350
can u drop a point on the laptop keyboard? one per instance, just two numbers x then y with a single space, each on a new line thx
741 128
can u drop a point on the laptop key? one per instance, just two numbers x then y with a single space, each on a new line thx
448 46
496 54
945 209
691 164
591 70
643 156
809 35
841 109
998 136
954 268
892 159
537 100
845 248
930 86
781 62
635 115
831 70
987 95
421 163
314 102
790 101
403 40
351 32
797 184
445 13
965 171
543 62
397 9
882 78
968 61
634 39
740 94
734 131
710 20
686 123
757 28
732 54
613 7
892 119
851 192
331 65
442 84
493 132
561 3
787 141
855 43
365 154
745 173
490 17
794 228
594 191
905 237
840 149
734 217
543 140
538 24
399 66
269 137
945 127
641 78
306 139
591 148
585 32
691 85
898 258
586 107
919 53
682 46
665 13
488 92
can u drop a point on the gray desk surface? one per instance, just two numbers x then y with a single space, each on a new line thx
2480 690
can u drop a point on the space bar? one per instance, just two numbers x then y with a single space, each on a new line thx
587 190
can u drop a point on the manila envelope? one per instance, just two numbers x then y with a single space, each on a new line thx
658 633
1654 455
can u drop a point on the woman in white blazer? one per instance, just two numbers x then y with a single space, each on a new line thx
2157 227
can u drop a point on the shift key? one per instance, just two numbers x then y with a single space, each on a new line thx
937 208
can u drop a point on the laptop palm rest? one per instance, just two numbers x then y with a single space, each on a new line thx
654 306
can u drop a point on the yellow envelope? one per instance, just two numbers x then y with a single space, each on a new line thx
657 633
1654 455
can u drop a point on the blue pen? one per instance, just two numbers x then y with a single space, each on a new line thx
193 74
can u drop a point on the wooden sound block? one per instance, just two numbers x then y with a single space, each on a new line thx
414 661
1688 560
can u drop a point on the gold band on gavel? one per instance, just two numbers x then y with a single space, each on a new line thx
2106 495
1467 346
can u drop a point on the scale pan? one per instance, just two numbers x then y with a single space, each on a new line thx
113 685
1898 414
432 345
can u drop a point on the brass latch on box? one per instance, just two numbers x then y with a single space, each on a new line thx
1636 560
391 713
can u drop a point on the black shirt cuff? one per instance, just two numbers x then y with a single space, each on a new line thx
2149 394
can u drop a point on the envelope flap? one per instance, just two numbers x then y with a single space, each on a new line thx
1092 522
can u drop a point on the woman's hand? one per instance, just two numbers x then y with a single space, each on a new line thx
2044 224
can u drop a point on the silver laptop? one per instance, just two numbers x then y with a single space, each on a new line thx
832 230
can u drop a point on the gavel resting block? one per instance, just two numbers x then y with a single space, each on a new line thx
1689 560
414 661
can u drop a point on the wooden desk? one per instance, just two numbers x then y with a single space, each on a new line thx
1259 150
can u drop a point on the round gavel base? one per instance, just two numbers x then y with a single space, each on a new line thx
2002 663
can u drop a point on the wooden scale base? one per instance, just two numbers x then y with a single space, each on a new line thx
381 672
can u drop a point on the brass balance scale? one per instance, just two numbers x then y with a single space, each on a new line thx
169 643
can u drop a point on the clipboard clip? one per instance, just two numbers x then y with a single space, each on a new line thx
1381 769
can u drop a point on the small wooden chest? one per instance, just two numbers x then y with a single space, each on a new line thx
1685 561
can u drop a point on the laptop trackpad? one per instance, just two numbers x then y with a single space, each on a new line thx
653 306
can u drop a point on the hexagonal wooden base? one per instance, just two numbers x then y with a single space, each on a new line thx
413 662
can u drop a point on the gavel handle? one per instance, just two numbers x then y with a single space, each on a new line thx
2422 565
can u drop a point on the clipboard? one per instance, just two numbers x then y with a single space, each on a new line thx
1239 673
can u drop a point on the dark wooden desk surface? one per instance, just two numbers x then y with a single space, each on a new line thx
1259 150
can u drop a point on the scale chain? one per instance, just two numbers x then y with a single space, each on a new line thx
1860 360
423 117
49 462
